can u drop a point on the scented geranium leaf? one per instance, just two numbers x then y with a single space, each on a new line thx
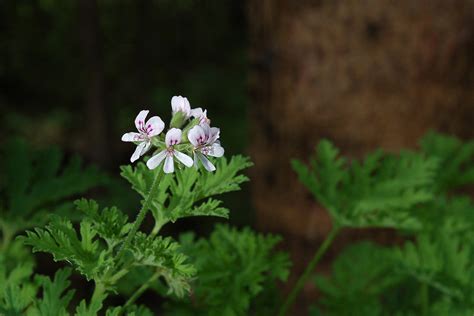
36 184
360 274
163 255
456 159
209 208
16 290
226 178
55 297
246 260
181 194
110 223
141 179
442 259
379 191
96 305
59 238
133 310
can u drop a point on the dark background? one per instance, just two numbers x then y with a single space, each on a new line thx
76 73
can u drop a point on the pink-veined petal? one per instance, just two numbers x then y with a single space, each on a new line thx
131 137
216 150
140 119
155 161
136 154
169 164
185 159
154 126
206 163
196 135
173 137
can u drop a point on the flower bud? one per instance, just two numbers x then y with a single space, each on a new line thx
178 119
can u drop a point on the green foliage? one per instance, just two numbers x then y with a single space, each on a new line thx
61 240
163 255
91 249
380 191
456 160
36 183
431 273
16 290
244 260
185 194
360 274
55 296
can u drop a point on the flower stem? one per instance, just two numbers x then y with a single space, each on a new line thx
141 289
7 236
141 214
98 296
425 298
307 272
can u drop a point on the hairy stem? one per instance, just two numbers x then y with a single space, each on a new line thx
141 215
98 296
141 289
307 272
7 236
425 299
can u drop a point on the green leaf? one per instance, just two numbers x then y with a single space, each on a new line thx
455 157
37 185
380 191
61 240
246 261
360 274
16 290
54 299
110 223
163 255
181 194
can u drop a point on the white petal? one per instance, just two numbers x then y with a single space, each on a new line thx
131 137
185 159
216 150
195 160
155 161
214 134
206 163
138 151
140 119
195 134
173 137
145 148
179 103
197 112
169 164
154 126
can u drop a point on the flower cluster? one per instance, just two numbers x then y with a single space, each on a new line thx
190 134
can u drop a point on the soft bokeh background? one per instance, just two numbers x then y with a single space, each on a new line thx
276 76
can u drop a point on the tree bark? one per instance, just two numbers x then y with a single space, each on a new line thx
363 74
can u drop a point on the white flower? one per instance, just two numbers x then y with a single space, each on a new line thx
201 115
180 104
173 137
205 141
153 127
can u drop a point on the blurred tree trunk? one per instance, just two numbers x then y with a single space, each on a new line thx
95 106
363 74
